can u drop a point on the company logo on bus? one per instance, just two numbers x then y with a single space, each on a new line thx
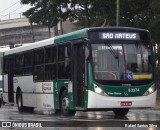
46 86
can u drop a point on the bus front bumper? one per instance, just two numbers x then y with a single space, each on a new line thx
98 101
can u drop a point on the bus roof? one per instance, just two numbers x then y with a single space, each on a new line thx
30 46
117 29
71 36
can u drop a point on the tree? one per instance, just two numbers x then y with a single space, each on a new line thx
103 12
42 12
142 14
90 13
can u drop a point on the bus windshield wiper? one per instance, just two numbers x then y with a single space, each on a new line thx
142 58
111 49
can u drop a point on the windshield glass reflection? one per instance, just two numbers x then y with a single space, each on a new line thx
121 61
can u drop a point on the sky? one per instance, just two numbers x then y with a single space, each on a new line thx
10 9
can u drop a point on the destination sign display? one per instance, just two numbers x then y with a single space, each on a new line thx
119 36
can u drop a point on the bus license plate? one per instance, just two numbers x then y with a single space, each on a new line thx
126 103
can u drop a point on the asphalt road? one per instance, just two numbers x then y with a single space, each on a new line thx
140 118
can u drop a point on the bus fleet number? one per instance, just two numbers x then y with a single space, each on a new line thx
133 90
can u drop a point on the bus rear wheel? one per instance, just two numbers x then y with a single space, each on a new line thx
121 112
65 105
20 102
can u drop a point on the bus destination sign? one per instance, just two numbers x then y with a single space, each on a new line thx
119 36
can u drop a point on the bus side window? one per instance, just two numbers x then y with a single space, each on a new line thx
39 57
50 63
64 61
64 52
39 65
28 63
51 54
5 66
19 60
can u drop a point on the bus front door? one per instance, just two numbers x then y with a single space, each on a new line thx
78 74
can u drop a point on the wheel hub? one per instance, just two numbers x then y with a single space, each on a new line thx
19 102
65 104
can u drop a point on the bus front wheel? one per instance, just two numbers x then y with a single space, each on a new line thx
65 105
20 102
120 112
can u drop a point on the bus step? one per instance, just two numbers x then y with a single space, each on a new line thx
79 108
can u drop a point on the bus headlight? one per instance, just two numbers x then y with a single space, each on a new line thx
150 90
99 90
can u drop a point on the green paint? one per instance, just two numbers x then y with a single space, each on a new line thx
58 86
86 98
83 33
90 77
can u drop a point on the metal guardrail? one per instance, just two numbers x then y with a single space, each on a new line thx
11 16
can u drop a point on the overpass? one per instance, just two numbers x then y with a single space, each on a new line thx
20 31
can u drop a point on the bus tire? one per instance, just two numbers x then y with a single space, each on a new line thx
20 101
29 109
64 105
57 112
121 112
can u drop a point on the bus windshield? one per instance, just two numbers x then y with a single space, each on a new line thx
122 61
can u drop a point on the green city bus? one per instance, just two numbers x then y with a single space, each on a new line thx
93 69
